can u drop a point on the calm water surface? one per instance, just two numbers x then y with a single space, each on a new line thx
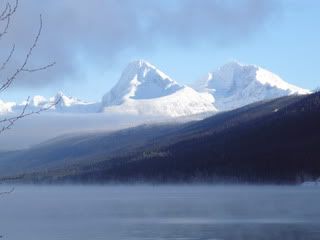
160 212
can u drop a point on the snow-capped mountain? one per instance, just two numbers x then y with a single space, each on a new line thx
59 103
235 85
72 105
144 89
6 107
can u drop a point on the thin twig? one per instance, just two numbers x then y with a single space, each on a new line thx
9 122
6 15
23 67
4 64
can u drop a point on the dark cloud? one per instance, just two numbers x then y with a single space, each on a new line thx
97 31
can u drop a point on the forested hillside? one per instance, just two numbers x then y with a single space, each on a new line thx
267 142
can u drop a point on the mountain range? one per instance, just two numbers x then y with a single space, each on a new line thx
143 89
253 127
274 141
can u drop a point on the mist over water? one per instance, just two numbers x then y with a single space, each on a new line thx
160 212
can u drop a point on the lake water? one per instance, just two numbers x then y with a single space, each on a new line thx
160 212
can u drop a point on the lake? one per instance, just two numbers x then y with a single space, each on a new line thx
160 212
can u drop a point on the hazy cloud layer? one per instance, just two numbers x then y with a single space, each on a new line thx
97 31
35 129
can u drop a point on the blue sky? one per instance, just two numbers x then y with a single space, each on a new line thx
286 41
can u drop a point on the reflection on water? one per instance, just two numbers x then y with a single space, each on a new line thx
160 212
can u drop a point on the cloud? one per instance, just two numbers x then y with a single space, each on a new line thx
39 128
98 31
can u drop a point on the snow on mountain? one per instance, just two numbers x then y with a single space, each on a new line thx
6 107
235 85
143 89
72 105
59 103
38 101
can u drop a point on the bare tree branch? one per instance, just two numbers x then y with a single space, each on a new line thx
6 16
9 11
23 67
4 10
4 64
5 19
5 30
9 122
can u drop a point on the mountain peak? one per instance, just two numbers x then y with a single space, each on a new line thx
233 64
140 63
140 80
66 101
144 70
144 89
235 84
60 94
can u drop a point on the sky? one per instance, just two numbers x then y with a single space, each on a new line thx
92 41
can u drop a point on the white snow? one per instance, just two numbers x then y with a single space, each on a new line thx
268 78
6 107
38 101
71 104
184 102
140 80
145 90
64 105
235 85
